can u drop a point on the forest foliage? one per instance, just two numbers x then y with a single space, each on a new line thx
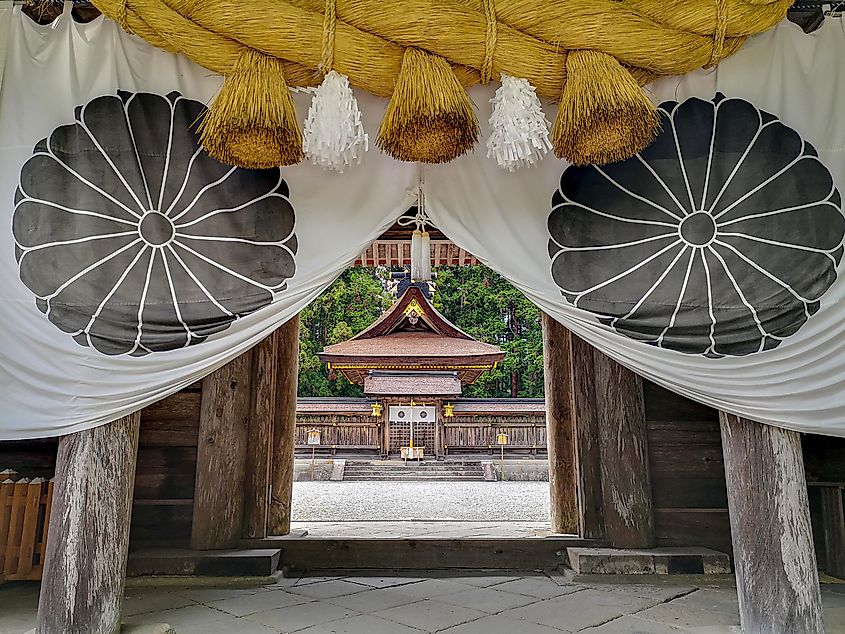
476 299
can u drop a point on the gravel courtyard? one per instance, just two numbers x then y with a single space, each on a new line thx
398 501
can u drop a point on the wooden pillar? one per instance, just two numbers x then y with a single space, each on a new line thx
284 429
259 455
221 455
833 520
625 476
776 577
560 425
587 440
85 563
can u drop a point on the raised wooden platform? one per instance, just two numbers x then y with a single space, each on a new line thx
308 555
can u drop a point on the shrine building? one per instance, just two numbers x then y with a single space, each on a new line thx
413 364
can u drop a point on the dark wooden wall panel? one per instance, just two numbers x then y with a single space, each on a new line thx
166 471
687 471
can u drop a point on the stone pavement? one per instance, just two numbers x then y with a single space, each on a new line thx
470 604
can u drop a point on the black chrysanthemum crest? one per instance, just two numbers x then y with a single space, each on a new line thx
720 238
134 240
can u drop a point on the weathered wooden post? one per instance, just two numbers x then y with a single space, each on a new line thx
259 455
284 428
221 455
776 577
625 473
560 425
85 563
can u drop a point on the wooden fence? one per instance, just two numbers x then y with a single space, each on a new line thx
24 518
355 433
468 434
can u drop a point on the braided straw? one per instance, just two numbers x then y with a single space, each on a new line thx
429 118
329 24
366 41
252 122
718 34
489 42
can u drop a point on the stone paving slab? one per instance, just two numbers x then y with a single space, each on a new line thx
469 604
430 615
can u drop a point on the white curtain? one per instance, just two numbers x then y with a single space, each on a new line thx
135 265
68 364
773 350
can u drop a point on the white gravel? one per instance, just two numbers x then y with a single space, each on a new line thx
455 501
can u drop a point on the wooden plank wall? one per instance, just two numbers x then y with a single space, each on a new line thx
166 471
824 461
687 471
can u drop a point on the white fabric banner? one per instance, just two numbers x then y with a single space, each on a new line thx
135 265
231 256
716 275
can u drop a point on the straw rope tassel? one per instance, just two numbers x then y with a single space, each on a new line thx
333 136
252 122
429 118
604 116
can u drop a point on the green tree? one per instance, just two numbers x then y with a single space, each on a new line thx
485 305
350 304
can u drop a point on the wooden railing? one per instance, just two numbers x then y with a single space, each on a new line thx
471 436
348 435
24 518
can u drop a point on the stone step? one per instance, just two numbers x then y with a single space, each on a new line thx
651 561
413 478
244 562
396 471
350 469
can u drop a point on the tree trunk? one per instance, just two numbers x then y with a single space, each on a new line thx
776 577
85 561
284 428
625 476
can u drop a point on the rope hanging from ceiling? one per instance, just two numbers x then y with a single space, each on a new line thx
592 56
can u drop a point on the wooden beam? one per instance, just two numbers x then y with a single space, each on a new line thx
833 523
259 455
85 563
560 425
284 428
221 455
626 482
776 577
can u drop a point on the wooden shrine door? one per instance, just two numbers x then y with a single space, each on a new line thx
417 423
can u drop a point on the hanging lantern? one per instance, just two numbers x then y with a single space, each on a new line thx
376 410
448 410
519 130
